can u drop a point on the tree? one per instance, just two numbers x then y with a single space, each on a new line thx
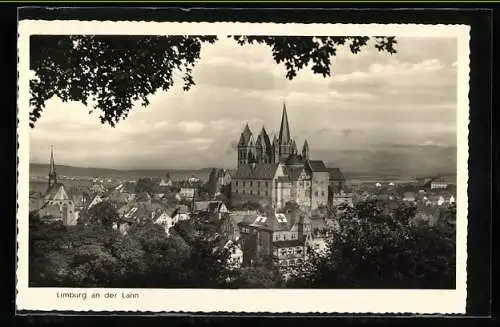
211 184
103 213
256 277
112 72
146 185
373 248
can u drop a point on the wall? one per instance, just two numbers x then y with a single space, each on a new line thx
253 188
320 182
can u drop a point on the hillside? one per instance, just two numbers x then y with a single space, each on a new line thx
70 171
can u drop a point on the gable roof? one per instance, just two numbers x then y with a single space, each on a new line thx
317 166
245 136
256 171
210 206
57 192
293 172
336 174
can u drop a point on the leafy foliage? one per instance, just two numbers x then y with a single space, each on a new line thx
102 213
298 52
91 255
111 73
379 248
146 185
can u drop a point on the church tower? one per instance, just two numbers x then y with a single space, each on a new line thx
244 146
305 151
263 147
276 150
284 140
52 170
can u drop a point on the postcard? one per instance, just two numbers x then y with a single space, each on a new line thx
242 167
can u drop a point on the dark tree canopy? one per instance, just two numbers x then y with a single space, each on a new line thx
111 73
378 248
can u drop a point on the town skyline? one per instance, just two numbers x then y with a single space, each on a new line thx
372 102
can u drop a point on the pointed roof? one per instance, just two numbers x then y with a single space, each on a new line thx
245 135
284 135
294 147
275 139
57 193
305 147
52 168
263 139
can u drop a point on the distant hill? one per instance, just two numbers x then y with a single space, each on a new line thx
376 162
70 171
394 161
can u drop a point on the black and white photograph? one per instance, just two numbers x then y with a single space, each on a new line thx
182 160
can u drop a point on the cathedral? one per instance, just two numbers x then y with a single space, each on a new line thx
55 203
276 171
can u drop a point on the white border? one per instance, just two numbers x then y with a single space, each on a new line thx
273 301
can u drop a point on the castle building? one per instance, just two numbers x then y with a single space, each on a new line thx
277 172
56 204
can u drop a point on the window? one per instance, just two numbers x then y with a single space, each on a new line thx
251 192
258 192
266 184
316 193
251 183
236 183
322 193
236 191
243 192
258 184
266 193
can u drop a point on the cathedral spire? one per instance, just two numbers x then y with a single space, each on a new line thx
305 150
52 169
284 135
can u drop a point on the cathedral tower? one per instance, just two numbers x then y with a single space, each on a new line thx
305 151
52 170
244 146
284 140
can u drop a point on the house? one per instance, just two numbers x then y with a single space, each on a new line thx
289 253
187 192
409 197
340 198
143 197
213 208
277 232
438 183
235 259
181 213
256 242
94 200
223 182
164 219
158 196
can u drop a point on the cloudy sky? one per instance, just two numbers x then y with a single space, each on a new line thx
371 100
